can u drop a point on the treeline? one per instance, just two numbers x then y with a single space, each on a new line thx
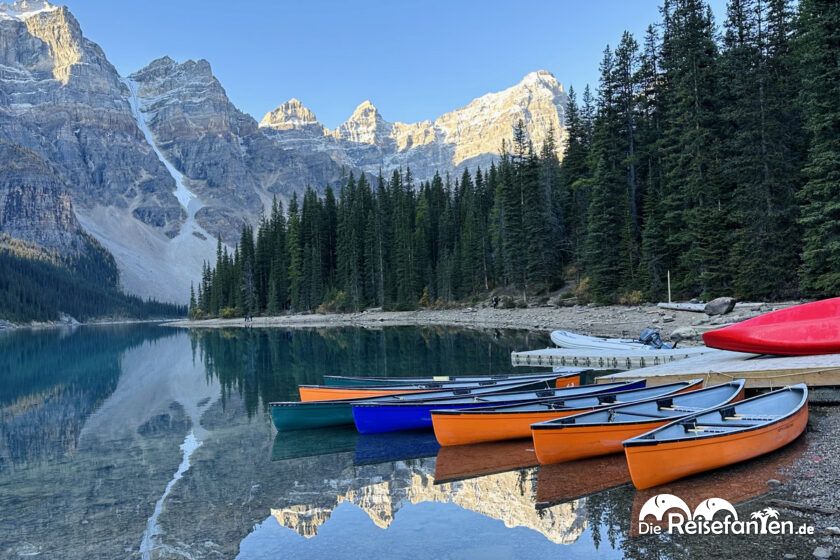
396 244
709 154
40 286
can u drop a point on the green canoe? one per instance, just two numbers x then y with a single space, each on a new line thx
315 414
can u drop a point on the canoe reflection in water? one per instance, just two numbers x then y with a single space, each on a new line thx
366 449
461 462
563 482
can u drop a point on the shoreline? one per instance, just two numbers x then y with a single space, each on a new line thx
8 326
611 320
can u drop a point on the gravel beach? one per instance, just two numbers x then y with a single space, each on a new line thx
613 320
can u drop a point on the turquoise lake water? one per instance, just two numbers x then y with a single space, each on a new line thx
144 441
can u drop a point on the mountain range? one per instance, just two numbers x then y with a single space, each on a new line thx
158 164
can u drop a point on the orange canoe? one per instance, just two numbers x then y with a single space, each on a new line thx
464 427
319 393
715 438
603 431
539 380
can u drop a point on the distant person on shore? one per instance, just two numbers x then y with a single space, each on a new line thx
495 302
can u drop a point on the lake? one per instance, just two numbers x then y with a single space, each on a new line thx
144 441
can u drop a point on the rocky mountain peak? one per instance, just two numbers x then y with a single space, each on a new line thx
542 78
63 48
169 70
365 126
290 115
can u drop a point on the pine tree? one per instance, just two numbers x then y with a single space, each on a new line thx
695 218
295 249
608 260
819 62
575 178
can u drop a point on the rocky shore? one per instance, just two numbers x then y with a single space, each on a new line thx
612 320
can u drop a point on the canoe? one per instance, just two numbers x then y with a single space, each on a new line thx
463 427
414 412
345 381
801 330
719 437
328 393
295 415
602 432
575 341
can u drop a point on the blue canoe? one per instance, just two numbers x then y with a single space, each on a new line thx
392 414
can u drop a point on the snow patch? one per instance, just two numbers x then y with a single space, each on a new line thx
24 9
150 537
152 265
182 193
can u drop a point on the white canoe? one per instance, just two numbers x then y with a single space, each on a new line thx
575 341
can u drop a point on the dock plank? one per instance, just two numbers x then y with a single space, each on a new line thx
606 359
764 372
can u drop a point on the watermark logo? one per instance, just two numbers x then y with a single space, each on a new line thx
666 513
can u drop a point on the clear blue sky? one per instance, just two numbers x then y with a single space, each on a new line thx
413 59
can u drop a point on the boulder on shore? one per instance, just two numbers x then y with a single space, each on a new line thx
719 306
684 333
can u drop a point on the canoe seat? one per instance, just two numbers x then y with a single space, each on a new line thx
752 417
612 414
681 408
705 430
729 413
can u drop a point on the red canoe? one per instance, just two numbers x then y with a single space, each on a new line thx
802 330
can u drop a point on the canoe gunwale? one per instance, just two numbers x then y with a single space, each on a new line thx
642 441
502 409
443 386
448 400
446 385
565 422
378 381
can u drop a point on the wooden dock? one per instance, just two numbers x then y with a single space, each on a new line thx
592 359
761 372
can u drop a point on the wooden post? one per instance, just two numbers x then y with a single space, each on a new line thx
669 286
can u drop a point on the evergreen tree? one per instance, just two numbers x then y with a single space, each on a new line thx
818 46
695 217
295 249
608 261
